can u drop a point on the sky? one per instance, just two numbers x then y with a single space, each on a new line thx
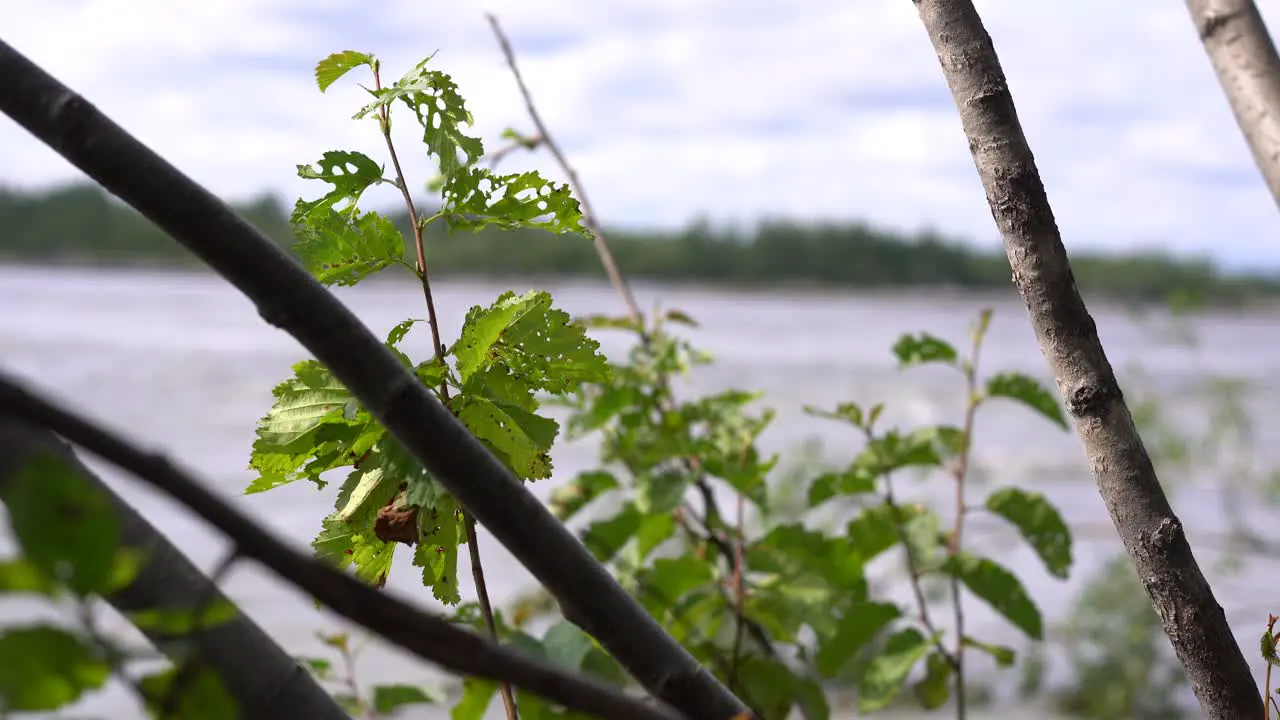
673 110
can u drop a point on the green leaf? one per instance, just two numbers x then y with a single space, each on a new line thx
321 668
341 248
443 528
923 348
812 700
999 588
388 699
520 438
184 620
476 696
201 695
860 624
538 343
662 489
1039 523
674 577
566 646
652 531
935 688
336 65
43 668
350 174
604 538
1028 391
768 686
19 575
478 198
875 529
849 412
852 482
401 329
314 425
884 676
1004 656
568 499
64 524
440 110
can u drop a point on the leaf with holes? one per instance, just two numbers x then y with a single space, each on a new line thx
540 345
478 198
340 248
350 174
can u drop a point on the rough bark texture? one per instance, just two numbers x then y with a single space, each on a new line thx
290 299
1248 68
1152 534
264 679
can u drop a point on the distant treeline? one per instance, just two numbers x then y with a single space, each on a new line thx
82 225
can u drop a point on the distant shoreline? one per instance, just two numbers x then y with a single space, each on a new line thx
550 281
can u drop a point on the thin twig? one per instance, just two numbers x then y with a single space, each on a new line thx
914 574
960 473
588 213
431 638
477 569
486 609
620 285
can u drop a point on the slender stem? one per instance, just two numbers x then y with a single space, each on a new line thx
477 568
588 213
353 683
739 596
913 572
486 609
618 281
438 348
960 473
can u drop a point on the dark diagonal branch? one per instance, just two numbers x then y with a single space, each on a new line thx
263 678
430 638
1068 338
287 297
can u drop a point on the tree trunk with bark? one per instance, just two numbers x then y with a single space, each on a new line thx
1152 535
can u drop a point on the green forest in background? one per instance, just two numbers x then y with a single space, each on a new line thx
80 224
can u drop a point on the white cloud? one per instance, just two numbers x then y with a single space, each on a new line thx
673 109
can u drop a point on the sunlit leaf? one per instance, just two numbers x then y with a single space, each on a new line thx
330 69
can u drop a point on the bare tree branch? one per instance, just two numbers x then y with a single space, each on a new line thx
1152 535
263 678
431 638
1244 57
287 297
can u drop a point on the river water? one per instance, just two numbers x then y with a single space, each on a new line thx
182 362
